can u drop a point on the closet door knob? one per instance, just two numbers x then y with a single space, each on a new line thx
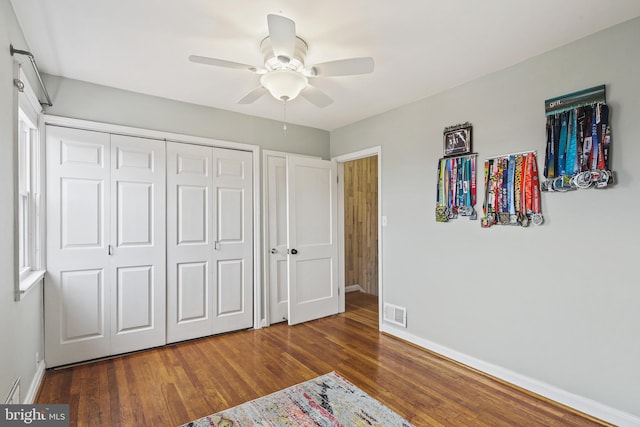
274 251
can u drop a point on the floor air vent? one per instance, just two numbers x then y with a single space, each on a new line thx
395 314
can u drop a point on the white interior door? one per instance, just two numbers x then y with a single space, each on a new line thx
210 241
277 235
312 239
138 243
77 314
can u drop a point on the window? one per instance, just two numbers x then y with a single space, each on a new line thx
29 233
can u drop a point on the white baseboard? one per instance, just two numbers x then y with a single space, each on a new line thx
353 288
35 384
582 404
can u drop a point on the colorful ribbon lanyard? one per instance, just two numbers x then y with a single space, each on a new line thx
594 139
504 207
495 182
513 219
549 163
572 150
562 148
517 183
485 204
588 142
533 187
473 182
606 135
441 210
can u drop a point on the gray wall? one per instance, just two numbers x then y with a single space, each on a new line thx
21 331
82 100
557 303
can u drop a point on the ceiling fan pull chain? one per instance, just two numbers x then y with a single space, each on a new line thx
284 124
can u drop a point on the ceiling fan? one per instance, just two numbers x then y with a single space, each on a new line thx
285 74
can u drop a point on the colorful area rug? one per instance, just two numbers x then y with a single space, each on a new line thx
326 401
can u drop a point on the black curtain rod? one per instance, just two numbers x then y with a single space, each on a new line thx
35 68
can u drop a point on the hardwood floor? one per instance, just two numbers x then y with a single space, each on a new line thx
175 384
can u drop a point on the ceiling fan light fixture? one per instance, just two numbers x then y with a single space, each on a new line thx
284 85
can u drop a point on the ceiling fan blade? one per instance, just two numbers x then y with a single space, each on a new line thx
253 96
221 63
316 96
345 67
282 32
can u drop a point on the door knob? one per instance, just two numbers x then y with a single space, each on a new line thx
274 251
294 251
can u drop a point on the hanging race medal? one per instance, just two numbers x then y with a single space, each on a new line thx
535 188
442 215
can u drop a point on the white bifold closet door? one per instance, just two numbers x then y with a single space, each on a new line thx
209 241
105 284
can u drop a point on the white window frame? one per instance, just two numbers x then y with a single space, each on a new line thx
29 219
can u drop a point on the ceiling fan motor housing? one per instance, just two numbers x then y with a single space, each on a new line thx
273 62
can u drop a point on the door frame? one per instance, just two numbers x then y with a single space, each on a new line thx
189 139
342 159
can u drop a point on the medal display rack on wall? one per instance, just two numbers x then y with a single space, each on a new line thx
456 190
512 190
578 141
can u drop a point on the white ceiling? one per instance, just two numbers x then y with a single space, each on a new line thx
420 47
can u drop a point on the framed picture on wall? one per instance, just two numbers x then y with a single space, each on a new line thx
457 140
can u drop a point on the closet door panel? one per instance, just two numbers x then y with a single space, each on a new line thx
77 315
138 238
233 246
190 242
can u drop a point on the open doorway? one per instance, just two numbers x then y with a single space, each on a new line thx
359 226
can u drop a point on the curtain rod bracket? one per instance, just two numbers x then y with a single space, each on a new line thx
20 85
